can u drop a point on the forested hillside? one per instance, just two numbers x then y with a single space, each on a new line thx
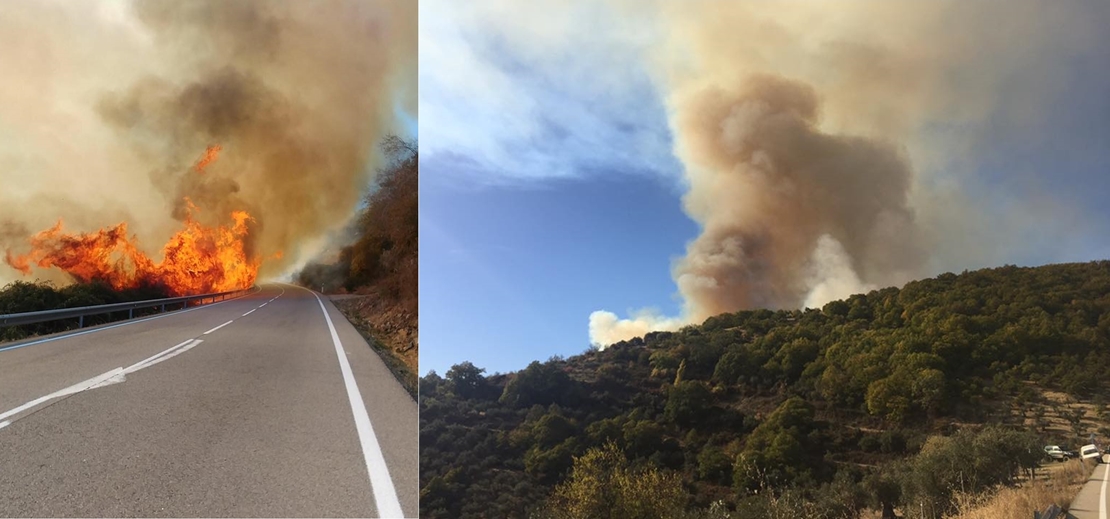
894 399
379 261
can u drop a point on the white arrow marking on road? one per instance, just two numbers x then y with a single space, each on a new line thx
76 388
108 378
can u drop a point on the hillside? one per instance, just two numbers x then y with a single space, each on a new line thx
890 400
379 262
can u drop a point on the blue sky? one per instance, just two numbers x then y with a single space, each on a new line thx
510 273
549 188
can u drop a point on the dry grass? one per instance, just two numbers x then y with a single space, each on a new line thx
1059 486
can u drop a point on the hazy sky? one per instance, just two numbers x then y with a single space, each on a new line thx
558 143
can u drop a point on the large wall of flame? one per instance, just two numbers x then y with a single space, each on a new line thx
107 106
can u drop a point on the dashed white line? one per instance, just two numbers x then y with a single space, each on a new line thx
385 496
263 304
250 312
218 327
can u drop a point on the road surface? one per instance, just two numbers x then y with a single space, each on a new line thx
1091 501
239 408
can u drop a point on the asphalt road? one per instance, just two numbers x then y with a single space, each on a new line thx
240 408
1091 501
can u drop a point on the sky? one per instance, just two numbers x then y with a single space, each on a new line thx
574 163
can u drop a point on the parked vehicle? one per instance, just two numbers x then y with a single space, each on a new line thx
1056 453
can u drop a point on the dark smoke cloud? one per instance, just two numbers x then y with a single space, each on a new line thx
296 94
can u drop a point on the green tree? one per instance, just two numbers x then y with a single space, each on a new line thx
688 402
604 485
714 465
466 380
785 447
539 383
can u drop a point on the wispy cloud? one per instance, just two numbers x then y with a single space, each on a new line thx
511 103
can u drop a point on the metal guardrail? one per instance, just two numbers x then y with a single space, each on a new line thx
84 311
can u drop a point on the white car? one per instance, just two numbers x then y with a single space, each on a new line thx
1056 453
1091 451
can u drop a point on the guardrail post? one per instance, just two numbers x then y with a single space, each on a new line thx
81 321
130 313
163 308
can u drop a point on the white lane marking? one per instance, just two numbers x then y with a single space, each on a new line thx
163 358
385 496
76 388
264 304
159 354
108 378
250 312
218 327
1102 499
155 359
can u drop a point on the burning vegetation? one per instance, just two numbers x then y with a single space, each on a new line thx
213 143
198 259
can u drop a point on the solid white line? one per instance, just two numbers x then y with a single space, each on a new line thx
5 423
1102 498
218 327
250 312
188 346
385 496
158 357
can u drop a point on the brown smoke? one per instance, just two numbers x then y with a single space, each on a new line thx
766 184
297 95
825 145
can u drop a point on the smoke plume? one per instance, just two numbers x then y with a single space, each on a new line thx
810 137
769 189
155 112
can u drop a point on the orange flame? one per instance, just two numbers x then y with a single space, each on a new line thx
196 260
210 155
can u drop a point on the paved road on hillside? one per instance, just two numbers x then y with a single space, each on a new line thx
1091 501
240 408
